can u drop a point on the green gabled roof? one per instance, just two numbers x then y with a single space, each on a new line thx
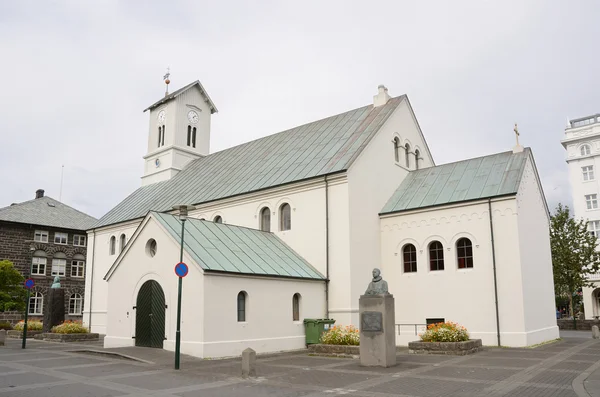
319 148
235 249
479 178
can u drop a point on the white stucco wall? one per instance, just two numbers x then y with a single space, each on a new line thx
98 262
465 296
536 259
372 180
269 325
209 326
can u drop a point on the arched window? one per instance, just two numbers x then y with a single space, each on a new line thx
77 265
218 219
417 159
296 307
189 140
585 150
241 306
122 242
194 137
112 245
436 256
409 257
59 264
406 152
75 304
396 149
464 253
38 263
285 217
162 140
265 219
159 135
36 303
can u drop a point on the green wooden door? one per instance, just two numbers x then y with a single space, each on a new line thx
150 316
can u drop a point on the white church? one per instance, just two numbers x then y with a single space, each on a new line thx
290 226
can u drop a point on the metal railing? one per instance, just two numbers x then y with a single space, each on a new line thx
411 329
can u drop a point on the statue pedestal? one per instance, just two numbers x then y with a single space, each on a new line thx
54 313
377 331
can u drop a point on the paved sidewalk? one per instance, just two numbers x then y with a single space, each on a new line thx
567 368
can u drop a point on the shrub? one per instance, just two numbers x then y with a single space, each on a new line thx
445 332
339 335
32 325
6 325
70 327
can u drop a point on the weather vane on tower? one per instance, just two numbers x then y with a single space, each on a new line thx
167 81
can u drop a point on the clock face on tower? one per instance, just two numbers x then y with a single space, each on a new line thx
192 117
161 116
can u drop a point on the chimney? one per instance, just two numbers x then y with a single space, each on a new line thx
39 193
382 96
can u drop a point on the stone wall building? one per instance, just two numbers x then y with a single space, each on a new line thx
44 238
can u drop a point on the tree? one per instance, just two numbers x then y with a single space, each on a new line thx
12 292
574 255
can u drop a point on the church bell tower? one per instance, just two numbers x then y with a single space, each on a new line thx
179 131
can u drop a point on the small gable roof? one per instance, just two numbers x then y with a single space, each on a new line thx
174 94
45 211
316 149
478 178
217 247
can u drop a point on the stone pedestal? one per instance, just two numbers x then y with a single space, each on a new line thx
377 331
2 336
248 363
54 310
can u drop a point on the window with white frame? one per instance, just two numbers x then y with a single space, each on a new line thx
36 303
112 245
79 241
285 217
594 228
38 263
77 265
75 304
591 201
122 242
59 264
585 150
41 236
588 173
60 238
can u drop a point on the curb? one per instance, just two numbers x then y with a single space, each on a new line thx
577 383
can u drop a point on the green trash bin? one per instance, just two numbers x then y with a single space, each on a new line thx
314 328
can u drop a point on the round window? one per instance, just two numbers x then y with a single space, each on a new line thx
151 247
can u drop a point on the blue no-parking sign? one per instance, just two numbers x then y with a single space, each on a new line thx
181 269
29 283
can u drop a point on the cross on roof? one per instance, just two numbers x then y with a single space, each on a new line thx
516 130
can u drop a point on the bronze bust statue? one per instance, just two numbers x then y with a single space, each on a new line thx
56 283
377 286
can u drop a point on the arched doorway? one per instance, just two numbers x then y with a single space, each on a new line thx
150 316
596 302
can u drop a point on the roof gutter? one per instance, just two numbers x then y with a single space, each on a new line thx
236 274
326 247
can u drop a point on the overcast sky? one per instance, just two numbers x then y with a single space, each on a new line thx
76 76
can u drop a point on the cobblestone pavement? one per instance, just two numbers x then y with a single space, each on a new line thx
565 368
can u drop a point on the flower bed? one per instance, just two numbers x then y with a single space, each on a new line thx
32 325
5 325
70 327
78 337
334 350
339 335
445 332
15 334
445 338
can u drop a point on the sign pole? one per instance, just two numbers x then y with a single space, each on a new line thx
178 332
29 284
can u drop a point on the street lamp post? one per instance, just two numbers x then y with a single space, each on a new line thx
183 213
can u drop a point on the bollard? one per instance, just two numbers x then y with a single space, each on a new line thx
595 332
2 337
248 363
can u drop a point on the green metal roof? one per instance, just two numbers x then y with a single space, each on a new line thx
319 148
478 178
45 211
235 249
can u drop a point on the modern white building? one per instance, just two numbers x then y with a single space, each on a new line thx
582 143
289 227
